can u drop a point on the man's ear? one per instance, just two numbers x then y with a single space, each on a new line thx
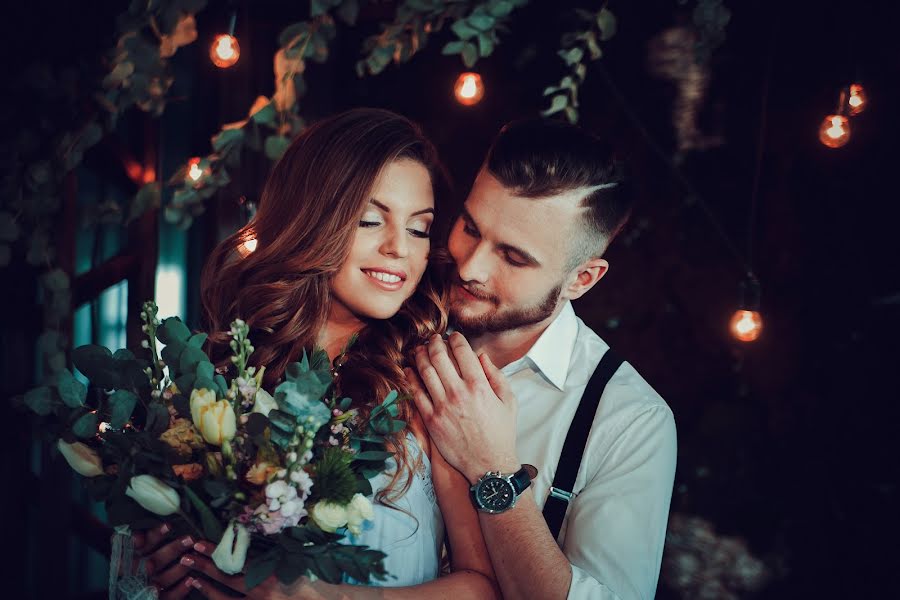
586 275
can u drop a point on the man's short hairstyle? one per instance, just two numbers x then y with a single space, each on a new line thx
540 158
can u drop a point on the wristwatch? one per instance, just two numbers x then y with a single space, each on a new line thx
496 492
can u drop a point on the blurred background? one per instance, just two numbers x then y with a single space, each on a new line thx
766 183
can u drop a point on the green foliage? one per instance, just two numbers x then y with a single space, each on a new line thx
334 481
577 46
212 528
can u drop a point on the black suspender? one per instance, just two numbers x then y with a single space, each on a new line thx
562 490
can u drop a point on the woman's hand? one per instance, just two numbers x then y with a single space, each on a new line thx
161 552
270 589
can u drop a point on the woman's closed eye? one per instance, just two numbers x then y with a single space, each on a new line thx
419 231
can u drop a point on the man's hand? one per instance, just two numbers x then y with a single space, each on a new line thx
467 406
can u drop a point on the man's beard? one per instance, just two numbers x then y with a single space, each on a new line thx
496 321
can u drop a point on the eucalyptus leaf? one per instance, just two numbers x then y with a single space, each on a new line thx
40 400
469 55
205 370
267 115
190 358
453 48
485 45
71 391
291 33
97 364
275 146
86 426
558 103
481 22
121 405
500 8
463 30
173 330
606 21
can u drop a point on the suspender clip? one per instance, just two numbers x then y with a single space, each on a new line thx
562 494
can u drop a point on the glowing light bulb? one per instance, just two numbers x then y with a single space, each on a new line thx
834 131
469 89
858 99
746 325
194 172
225 51
250 245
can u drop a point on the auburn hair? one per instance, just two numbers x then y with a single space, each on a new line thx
308 214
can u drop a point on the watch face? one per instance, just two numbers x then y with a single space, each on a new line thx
495 494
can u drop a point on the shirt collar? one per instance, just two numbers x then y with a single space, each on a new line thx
552 352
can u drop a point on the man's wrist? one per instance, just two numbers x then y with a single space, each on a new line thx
473 474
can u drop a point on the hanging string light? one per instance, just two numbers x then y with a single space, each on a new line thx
194 171
469 89
225 50
857 100
746 323
834 131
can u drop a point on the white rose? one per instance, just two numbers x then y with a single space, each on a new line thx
264 402
83 459
361 506
329 516
153 494
231 553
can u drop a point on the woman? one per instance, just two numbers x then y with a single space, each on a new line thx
343 243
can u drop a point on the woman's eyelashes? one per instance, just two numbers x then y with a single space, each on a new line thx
419 230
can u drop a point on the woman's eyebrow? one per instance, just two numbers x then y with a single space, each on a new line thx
387 209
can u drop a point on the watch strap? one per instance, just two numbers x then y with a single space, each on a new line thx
521 479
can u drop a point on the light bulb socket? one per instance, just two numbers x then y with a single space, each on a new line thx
231 23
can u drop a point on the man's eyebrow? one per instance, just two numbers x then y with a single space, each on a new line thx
387 209
503 246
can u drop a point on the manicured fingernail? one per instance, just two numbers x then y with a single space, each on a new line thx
199 547
189 582
165 528
196 584
187 542
187 561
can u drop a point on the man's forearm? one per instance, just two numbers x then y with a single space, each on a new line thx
527 561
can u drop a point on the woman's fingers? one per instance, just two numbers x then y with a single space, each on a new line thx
167 554
203 564
148 540
178 591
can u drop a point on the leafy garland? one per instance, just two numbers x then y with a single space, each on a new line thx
137 75
149 33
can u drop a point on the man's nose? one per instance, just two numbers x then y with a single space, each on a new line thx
475 267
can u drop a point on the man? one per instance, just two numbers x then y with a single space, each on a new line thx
543 210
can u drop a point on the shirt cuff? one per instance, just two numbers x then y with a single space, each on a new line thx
585 587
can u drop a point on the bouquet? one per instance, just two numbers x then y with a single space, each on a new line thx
276 481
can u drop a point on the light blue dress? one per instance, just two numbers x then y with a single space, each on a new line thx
411 532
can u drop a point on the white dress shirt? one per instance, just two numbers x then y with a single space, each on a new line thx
615 528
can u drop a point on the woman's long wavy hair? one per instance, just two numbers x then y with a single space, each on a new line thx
308 215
